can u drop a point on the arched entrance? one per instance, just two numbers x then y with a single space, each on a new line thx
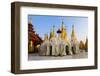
50 50
67 50
73 49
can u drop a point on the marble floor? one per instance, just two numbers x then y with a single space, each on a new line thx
77 56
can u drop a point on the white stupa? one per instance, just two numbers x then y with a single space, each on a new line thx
60 44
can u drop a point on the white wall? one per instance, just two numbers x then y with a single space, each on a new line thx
5 42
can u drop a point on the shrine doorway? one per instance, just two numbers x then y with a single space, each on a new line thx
67 50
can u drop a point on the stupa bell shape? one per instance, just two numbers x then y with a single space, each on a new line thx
73 35
64 33
74 42
65 39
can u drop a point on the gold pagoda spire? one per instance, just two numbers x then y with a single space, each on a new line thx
45 36
62 26
73 32
52 32
53 29
73 35
63 30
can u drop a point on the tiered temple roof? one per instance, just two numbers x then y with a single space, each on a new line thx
32 36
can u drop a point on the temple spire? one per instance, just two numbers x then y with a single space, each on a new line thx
45 36
30 21
62 25
53 28
73 32
73 35
52 32
63 30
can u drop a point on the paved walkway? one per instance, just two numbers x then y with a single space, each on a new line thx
37 57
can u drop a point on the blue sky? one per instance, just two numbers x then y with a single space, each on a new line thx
43 23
